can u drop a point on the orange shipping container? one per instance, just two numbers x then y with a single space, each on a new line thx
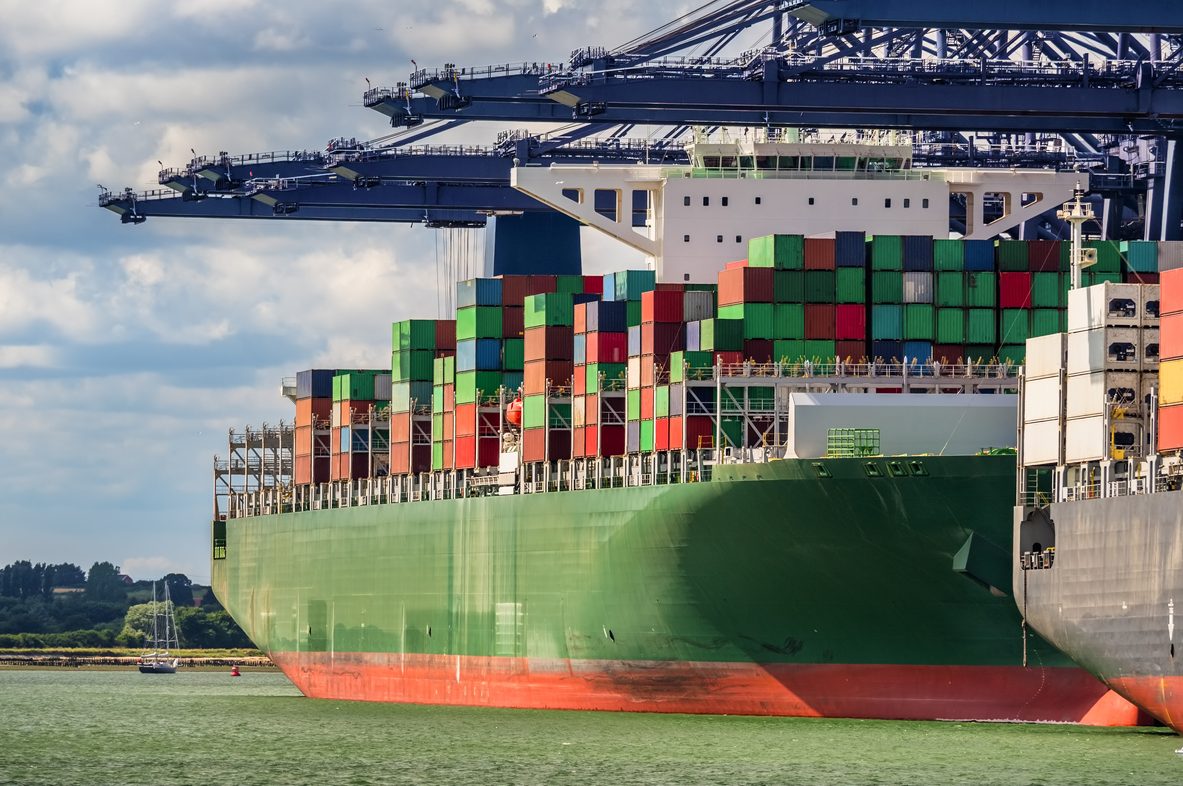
400 427
1170 337
303 440
646 403
589 441
745 285
577 442
591 410
309 408
465 420
1170 428
675 432
1171 295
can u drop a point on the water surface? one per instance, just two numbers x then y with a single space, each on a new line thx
76 728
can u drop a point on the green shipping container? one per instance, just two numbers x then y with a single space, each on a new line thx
1093 276
950 289
887 322
788 286
478 322
981 326
1108 256
437 398
850 285
571 285
789 320
468 383
887 287
979 353
1045 322
783 252
412 334
437 425
631 284
1015 353
819 287
697 364
887 252
1045 290
758 320
950 326
533 411
411 365
919 322
549 310
437 371
661 401
632 404
981 290
788 350
614 376
646 436
820 350
948 255
1011 255
1014 325
513 352
357 385
633 313
437 455
1141 256
721 335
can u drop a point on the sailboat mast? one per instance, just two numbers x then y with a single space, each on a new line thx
155 618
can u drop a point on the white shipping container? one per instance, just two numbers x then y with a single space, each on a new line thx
697 305
634 372
1045 356
1104 305
1041 399
917 287
1170 255
1104 348
1085 439
1149 349
1149 383
382 387
1089 394
1041 442
1150 310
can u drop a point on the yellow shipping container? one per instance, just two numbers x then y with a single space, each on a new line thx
1170 382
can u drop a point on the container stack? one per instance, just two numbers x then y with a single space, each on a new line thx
1104 411
415 345
850 296
688 403
546 387
768 294
314 407
443 413
627 286
599 381
489 347
1043 401
918 296
360 439
1170 375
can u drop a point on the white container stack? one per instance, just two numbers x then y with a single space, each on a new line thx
1043 400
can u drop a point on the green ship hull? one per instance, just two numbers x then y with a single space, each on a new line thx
834 587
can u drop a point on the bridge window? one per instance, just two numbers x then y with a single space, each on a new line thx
907 203
706 201
685 238
765 162
845 163
747 162
811 200
739 238
685 201
727 162
757 200
724 201
710 162
718 238
924 204
887 202
854 201
823 163
787 162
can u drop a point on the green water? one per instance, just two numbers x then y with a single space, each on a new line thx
204 728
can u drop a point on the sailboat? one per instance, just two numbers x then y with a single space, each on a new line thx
159 661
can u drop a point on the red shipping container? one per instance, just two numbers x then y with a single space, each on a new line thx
465 420
949 353
850 322
1043 256
537 372
1170 337
1014 290
549 343
591 410
675 432
728 358
661 306
819 321
607 347
646 403
445 335
745 285
1132 277
302 470
662 338
513 321
661 434
736 264
851 351
758 350
819 253
700 432
610 441
589 442
472 452
579 381
593 285
465 452
449 419
1170 428
1170 298
578 442
449 398
515 289
670 286
535 448
309 408
400 427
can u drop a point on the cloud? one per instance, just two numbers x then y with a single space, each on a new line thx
28 356
148 568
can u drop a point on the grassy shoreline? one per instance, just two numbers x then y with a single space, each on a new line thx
124 658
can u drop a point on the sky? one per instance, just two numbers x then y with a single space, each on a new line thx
127 352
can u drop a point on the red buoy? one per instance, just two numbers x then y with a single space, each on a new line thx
513 413
234 672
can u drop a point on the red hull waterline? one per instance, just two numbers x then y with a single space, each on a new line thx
993 693
1162 697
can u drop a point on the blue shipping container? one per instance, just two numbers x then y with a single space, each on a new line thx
607 317
979 255
512 380
918 350
478 354
315 383
917 252
634 340
610 287
850 249
693 336
885 351
580 349
478 292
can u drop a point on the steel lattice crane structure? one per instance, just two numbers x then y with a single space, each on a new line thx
987 84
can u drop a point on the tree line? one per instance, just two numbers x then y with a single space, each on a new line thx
45 605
